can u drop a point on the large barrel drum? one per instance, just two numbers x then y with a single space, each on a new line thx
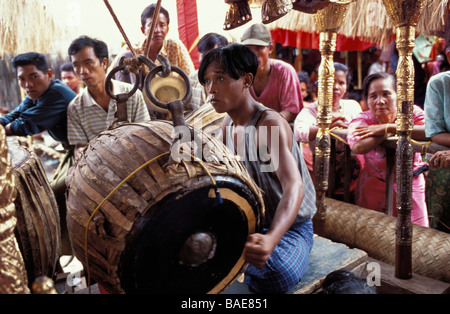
163 228
38 229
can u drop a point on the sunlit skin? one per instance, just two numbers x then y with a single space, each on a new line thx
161 31
34 82
263 74
72 80
382 102
233 97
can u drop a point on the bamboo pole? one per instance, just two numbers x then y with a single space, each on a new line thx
327 21
404 14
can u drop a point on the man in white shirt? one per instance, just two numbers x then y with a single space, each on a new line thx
93 111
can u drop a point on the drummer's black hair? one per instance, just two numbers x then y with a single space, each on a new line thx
375 76
236 60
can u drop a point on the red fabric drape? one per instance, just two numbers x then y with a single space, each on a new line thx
307 40
188 27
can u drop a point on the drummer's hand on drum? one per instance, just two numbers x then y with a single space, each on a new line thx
258 249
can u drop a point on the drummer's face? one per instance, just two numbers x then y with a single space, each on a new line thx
224 92
33 81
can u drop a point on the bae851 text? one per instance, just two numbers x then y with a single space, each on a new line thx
246 303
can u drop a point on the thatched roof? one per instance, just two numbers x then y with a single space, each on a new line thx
368 20
27 25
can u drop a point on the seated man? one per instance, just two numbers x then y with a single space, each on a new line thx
278 257
45 106
276 83
93 111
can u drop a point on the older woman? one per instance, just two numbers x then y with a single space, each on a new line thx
365 134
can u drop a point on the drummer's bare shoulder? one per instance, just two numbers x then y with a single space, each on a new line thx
272 118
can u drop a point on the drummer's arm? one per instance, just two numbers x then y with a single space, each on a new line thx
259 247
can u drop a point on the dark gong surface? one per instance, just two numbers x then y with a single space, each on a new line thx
151 262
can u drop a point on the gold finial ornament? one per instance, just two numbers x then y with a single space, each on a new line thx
404 12
327 21
330 18
272 10
13 277
404 15
238 14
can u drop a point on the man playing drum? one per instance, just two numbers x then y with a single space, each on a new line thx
262 137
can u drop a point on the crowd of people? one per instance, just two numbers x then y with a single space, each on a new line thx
258 93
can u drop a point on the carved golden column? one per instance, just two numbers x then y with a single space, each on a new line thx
404 14
13 277
327 21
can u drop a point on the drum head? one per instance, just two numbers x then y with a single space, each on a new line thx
160 258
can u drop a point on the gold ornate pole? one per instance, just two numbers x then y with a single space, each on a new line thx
404 14
327 21
13 277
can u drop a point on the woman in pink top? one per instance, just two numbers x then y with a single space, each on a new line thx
344 110
365 134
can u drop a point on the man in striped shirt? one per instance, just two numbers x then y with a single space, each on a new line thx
92 111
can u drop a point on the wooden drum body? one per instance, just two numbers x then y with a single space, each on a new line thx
206 119
165 230
38 229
